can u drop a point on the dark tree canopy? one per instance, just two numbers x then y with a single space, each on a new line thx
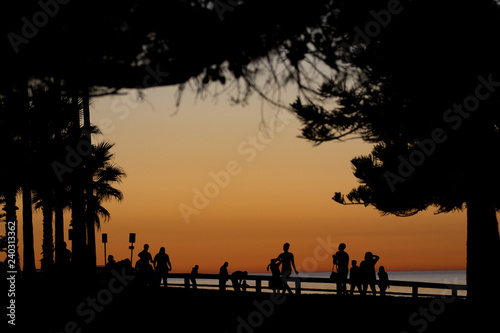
410 91
116 44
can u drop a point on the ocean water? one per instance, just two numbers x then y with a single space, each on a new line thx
450 277
447 277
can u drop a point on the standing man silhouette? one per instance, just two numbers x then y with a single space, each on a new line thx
223 276
145 256
341 260
287 262
162 266
355 276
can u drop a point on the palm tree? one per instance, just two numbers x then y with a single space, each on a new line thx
104 175
51 121
11 150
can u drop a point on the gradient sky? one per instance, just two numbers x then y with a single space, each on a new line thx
262 186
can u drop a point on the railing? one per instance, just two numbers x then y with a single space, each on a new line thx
322 285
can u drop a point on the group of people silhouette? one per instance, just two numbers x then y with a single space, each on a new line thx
361 277
154 271
161 265
278 278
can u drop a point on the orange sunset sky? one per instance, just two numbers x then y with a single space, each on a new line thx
262 187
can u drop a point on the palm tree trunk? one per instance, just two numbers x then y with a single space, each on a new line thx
48 239
59 229
58 191
28 247
89 188
79 257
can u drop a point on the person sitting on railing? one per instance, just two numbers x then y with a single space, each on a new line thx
244 285
194 274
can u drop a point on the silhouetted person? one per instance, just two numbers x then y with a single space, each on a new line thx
162 265
223 276
127 264
236 279
194 274
244 285
363 274
341 260
368 272
143 267
66 262
275 282
287 262
144 254
383 282
355 276
111 264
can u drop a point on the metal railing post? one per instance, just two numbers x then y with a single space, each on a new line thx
297 286
258 285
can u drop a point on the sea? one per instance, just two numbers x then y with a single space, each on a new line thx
449 277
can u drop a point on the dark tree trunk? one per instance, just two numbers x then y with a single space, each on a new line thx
59 230
28 247
79 242
48 239
59 191
89 187
483 253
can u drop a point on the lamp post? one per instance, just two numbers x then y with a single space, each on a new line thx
131 239
104 241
